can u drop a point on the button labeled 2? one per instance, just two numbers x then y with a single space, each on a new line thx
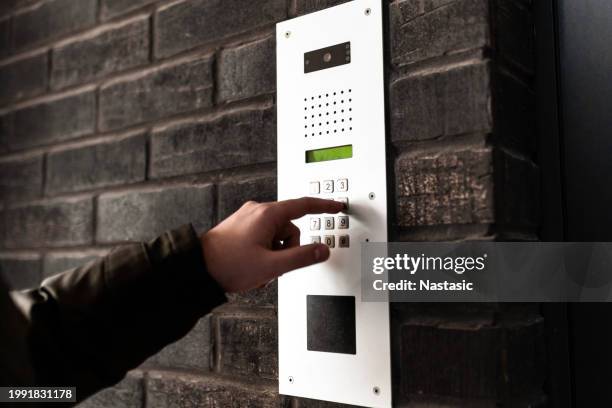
328 186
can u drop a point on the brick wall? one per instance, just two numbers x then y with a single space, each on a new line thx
122 118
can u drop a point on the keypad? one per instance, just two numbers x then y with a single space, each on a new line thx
329 223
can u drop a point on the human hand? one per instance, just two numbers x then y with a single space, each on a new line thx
259 243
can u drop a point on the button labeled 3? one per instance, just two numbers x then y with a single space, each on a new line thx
342 185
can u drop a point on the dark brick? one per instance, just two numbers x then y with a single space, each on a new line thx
119 161
478 360
454 101
6 131
514 114
444 188
247 345
184 25
247 70
309 6
20 271
119 47
112 8
57 223
436 27
51 19
518 191
127 394
161 92
6 6
21 178
191 352
231 140
23 78
5 40
515 34
52 121
57 262
176 390
233 194
142 215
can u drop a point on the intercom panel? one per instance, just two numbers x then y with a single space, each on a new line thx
331 144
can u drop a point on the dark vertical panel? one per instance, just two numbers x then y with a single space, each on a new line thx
585 62
559 378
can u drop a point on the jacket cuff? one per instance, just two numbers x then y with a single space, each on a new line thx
180 252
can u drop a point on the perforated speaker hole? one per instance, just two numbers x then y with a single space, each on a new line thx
328 112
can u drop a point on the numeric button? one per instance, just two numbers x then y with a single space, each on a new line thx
315 240
330 241
328 186
343 222
344 241
315 224
329 223
342 185
343 200
315 187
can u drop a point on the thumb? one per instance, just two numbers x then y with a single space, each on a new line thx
298 257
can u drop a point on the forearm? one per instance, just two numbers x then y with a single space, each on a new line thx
89 326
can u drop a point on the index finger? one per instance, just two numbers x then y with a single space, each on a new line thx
298 207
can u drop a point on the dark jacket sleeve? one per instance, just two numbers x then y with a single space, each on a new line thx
89 326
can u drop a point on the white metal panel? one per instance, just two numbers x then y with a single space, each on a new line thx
344 378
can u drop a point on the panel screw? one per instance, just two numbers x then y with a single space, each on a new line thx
368 11
287 34
291 380
371 196
376 390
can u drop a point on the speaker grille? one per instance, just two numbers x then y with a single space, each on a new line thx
328 113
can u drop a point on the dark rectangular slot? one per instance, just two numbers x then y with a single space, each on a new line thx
328 57
331 324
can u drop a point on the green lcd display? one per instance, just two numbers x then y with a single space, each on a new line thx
329 153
